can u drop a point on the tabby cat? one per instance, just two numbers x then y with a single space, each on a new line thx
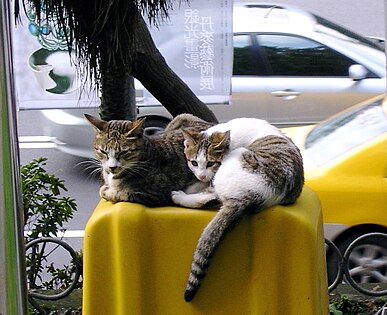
251 166
142 169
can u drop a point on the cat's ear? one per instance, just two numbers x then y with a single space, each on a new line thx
136 128
191 137
220 140
99 124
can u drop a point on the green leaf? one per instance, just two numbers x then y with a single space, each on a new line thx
333 310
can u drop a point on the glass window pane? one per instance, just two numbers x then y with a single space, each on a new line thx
298 56
243 61
338 135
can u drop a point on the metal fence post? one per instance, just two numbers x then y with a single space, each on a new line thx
13 293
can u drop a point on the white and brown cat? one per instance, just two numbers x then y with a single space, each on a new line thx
249 166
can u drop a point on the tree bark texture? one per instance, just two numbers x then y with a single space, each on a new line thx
118 95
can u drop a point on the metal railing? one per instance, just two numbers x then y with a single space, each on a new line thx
344 273
65 291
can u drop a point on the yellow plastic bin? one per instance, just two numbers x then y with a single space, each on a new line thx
137 259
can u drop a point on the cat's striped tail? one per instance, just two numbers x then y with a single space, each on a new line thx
229 214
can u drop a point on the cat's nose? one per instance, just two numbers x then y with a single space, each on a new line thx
201 177
113 169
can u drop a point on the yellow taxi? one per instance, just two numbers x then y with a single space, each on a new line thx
345 160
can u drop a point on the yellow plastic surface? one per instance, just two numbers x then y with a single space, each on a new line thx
137 259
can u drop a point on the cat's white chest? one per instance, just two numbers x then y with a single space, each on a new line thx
109 179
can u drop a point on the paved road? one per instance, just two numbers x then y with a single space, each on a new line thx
80 184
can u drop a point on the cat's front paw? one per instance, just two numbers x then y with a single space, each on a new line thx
189 200
178 197
103 191
112 194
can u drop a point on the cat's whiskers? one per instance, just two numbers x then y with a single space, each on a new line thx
139 168
94 173
92 166
89 161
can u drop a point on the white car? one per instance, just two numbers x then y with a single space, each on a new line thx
290 67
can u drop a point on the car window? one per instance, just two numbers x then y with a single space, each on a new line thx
338 135
298 56
326 26
243 60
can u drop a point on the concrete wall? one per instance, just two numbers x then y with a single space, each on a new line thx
365 17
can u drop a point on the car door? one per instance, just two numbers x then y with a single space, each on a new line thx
308 81
249 91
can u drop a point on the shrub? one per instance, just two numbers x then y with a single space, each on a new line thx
45 213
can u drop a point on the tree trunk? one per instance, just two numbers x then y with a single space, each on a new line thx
151 69
118 95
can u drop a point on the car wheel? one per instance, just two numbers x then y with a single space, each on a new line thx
367 262
154 126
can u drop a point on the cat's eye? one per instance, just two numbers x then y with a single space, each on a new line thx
122 153
194 163
210 164
101 151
